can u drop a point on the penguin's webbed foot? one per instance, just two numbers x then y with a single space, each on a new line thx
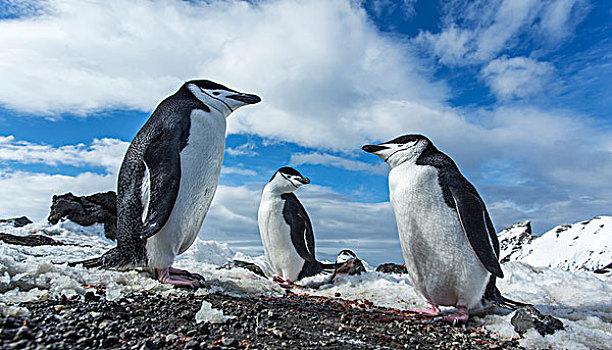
459 317
186 273
283 282
430 310
167 276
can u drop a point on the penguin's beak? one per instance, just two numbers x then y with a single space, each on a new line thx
245 98
305 180
373 148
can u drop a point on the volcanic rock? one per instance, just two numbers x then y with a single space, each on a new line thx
391 268
87 210
528 317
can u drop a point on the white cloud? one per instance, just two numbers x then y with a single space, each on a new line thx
477 31
30 194
517 77
246 149
226 170
106 153
325 159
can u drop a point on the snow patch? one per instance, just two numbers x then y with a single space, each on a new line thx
208 314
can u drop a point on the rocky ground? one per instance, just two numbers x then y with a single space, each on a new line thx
154 321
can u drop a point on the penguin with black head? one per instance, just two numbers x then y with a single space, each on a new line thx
448 240
168 179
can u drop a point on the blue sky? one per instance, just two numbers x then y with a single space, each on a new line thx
517 92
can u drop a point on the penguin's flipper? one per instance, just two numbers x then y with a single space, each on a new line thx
164 169
301 229
476 225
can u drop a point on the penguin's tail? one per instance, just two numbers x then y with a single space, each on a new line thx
331 267
94 262
511 304
110 259
493 295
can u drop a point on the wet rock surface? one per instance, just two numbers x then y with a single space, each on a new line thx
391 268
605 269
17 222
87 210
147 320
31 240
527 318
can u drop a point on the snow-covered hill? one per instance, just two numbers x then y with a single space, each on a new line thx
585 245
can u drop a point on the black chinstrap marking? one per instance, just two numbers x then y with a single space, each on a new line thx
218 99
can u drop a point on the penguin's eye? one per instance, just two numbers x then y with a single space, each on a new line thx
216 93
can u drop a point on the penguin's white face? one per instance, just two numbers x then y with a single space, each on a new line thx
287 180
220 98
399 150
345 256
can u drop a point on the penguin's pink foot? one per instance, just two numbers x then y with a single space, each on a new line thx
176 271
167 277
430 310
283 282
461 316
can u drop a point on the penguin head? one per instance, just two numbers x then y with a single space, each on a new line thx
219 97
287 179
345 255
399 150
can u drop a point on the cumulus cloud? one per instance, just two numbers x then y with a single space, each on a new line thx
106 153
477 31
28 193
325 159
246 149
517 77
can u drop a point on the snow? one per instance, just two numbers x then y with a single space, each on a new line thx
585 245
208 314
581 299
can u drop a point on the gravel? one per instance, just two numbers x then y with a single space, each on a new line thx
148 320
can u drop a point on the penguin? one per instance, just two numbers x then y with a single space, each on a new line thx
168 179
286 231
347 263
446 234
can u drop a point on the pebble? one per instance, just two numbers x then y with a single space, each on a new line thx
168 322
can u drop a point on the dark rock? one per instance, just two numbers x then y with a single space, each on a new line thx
604 269
245 265
30 240
87 210
228 341
91 296
512 244
391 268
528 317
16 222
24 333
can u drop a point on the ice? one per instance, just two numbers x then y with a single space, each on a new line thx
208 314
581 299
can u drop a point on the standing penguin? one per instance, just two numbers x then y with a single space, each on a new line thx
168 179
285 229
447 238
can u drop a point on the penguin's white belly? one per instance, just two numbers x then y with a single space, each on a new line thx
441 264
201 163
276 239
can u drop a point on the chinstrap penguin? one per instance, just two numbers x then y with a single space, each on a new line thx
168 179
286 231
447 237
347 263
